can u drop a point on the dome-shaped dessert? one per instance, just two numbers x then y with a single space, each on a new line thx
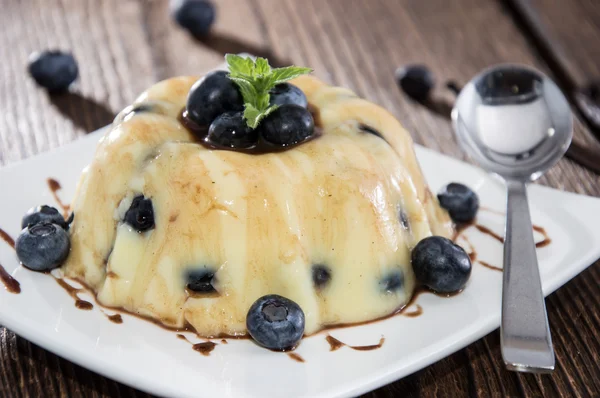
191 236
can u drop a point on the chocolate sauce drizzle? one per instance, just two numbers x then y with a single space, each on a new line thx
295 357
55 186
415 313
204 348
11 284
335 344
116 318
459 230
490 266
73 292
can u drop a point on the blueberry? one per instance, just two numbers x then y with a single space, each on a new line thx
460 201
43 213
287 125
53 70
392 282
275 322
321 275
230 130
440 264
416 81
132 110
197 16
404 222
287 94
140 214
370 130
211 96
43 246
200 281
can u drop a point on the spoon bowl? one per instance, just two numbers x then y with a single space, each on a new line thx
515 122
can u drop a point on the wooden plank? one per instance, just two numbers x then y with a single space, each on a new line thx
566 35
125 45
574 28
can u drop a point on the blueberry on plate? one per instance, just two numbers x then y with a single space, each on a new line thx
287 125
140 214
275 322
231 130
197 16
53 70
460 201
43 213
287 94
43 246
211 96
440 264
416 81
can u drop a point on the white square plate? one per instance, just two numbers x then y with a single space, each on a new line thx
147 357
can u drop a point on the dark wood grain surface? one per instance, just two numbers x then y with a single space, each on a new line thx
123 46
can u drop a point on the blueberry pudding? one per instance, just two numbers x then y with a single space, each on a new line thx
256 201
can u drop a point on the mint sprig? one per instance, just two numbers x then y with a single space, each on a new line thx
255 79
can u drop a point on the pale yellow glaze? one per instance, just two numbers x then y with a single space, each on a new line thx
259 221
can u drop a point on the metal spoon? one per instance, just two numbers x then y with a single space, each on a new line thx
515 122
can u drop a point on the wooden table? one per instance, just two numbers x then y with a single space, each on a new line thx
123 46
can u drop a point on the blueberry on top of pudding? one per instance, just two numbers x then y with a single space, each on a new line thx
326 220
212 96
274 116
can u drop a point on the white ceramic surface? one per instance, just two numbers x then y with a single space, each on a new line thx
147 357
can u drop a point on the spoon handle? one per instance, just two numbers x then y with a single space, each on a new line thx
525 334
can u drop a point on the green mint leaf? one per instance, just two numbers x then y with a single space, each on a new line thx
262 67
255 79
239 66
254 116
281 75
247 89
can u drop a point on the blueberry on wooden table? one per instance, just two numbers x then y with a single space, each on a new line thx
275 322
440 264
212 96
197 16
53 70
416 81
43 246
